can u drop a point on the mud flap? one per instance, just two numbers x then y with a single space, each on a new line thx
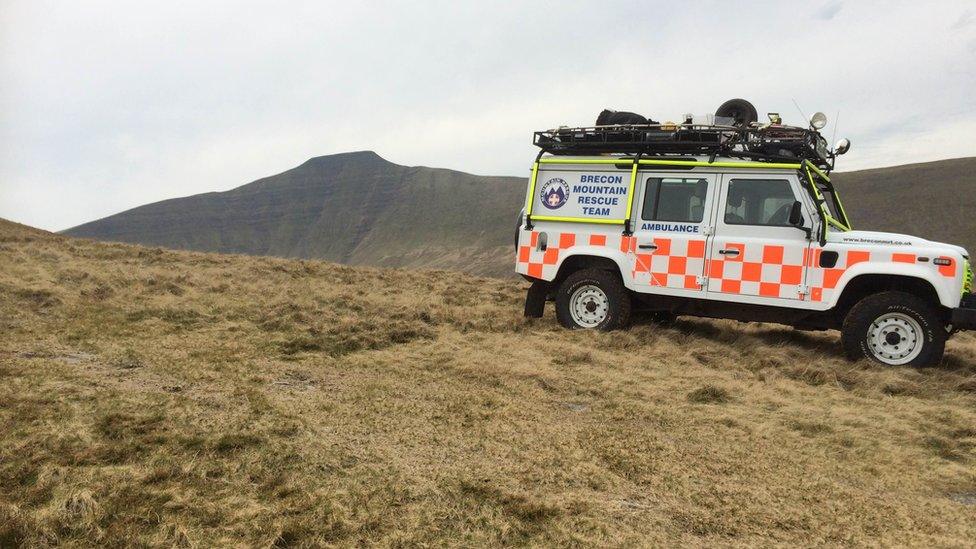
535 299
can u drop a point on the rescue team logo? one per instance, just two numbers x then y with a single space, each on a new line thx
554 193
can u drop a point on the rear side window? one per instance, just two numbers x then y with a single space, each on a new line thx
674 199
759 202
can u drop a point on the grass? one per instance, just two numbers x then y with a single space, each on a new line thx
152 397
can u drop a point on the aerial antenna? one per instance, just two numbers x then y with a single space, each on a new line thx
797 105
836 123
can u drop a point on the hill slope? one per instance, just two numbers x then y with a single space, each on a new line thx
359 209
353 208
934 200
166 398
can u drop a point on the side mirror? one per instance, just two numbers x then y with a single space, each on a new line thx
796 214
796 219
842 146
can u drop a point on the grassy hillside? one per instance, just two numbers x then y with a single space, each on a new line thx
153 397
353 208
934 200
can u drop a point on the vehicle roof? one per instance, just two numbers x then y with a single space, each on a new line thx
693 163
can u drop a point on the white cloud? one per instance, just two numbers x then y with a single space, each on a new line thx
965 19
829 10
110 105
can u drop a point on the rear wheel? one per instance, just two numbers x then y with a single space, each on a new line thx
894 328
593 299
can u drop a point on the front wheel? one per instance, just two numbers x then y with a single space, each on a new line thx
894 328
593 298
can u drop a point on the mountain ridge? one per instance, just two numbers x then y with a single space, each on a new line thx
346 208
358 208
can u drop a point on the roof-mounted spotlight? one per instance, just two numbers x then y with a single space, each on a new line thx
842 146
818 120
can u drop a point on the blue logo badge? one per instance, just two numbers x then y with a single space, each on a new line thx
554 193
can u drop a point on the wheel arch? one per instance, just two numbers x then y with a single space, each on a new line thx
863 285
582 260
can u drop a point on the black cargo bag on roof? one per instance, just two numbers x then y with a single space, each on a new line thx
613 118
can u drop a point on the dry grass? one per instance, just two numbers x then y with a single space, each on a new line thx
150 397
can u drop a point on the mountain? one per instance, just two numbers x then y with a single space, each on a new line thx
933 200
359 209
354 208
164 398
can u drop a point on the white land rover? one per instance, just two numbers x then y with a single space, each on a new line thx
734 221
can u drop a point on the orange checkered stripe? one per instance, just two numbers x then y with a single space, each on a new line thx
823 282
766 270
543 263
948 271
673 264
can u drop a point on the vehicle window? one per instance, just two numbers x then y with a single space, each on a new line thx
830 200
674 199
759 202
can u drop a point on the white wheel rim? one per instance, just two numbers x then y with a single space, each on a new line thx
895 338
589 306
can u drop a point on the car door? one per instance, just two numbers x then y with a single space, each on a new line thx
756 255
674 212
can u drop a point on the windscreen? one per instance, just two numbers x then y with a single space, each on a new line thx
831 201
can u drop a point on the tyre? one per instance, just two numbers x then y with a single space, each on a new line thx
593 299
894 328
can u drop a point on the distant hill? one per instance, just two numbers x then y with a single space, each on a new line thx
934 200
354 208
357 208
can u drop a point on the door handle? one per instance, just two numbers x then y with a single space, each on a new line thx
647 246
731 251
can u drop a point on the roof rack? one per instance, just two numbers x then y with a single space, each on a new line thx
764 143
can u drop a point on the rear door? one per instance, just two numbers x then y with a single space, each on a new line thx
671 225
756 254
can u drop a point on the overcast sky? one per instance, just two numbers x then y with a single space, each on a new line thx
109 105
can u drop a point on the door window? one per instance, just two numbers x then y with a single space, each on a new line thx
675 199
764 202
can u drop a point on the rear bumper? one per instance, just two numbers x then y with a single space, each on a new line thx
964 316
